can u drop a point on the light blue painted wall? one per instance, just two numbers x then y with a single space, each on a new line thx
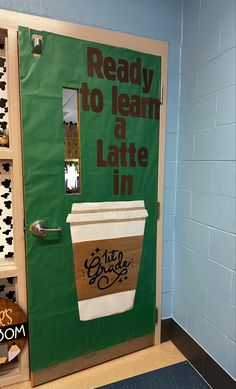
204 260
153 18
158 19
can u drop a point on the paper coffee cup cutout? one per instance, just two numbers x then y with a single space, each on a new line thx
107 243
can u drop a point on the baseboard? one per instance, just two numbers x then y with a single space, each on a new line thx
209 369
166 329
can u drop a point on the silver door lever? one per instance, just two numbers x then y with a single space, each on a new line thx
40 229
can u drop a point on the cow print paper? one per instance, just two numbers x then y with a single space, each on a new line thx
6 226
3 100
7 288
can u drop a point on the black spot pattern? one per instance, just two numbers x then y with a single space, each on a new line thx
10 280
3 125
9 240
5 195
7 232
11 295
6 221
6 236
6 166
7 204
2 62
7 288
3 102
9 255
4 141
3 85
6 183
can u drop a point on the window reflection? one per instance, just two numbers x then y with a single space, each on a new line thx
71 140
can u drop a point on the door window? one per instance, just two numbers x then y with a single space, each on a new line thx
71 140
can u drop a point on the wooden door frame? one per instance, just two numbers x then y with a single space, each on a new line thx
10 21
16 269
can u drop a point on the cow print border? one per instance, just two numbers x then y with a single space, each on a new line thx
8 289
3 101
6 222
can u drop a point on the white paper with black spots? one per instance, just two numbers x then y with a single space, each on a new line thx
7 288
3 95
6 226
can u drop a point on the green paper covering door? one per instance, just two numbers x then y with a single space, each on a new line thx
118 93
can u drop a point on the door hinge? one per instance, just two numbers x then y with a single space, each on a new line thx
158 210
161 94
156 315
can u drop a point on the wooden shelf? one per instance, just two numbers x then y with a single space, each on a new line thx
6 153
8 271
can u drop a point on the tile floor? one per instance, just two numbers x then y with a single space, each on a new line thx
130 365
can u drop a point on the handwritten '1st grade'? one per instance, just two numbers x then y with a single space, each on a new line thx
106 269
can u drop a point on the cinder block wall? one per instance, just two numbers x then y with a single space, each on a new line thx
204 260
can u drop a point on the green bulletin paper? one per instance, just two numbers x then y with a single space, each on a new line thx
119 121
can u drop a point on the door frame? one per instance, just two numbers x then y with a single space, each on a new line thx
10 21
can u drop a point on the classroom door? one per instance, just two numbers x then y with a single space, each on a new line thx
90 120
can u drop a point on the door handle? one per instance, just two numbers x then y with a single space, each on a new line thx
40 229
